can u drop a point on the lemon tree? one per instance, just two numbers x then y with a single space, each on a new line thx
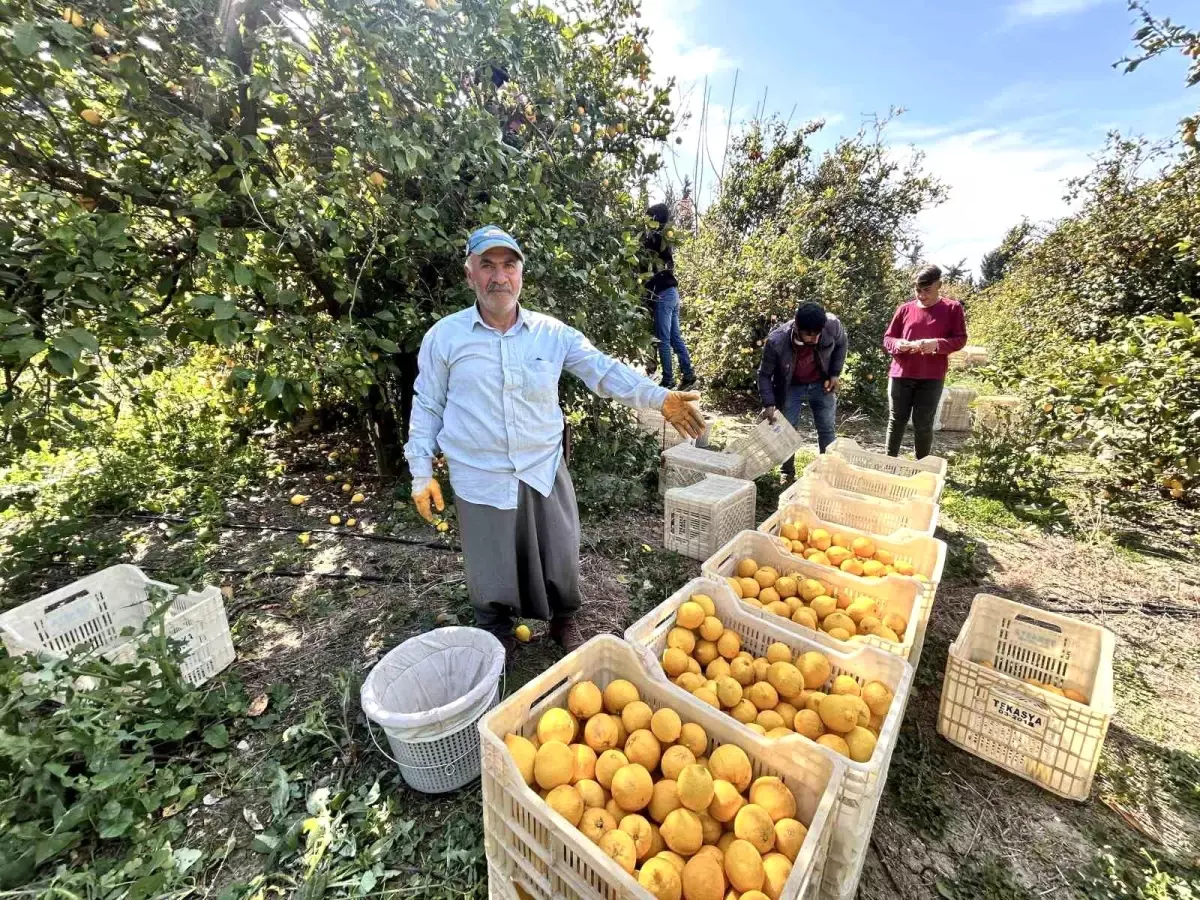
292 183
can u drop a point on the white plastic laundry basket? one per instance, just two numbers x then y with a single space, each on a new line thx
427 694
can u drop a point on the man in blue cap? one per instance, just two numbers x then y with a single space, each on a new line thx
487 398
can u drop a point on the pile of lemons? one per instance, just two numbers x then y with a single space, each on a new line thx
776 695
853 555
813 604
637 783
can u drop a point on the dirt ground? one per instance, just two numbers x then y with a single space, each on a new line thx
949 825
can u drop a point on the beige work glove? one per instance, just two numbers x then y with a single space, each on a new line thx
428 497
677 410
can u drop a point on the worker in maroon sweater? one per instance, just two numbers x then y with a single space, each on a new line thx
923 333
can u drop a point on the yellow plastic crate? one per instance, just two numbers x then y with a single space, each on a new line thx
894 594
864 781
530 845
990 711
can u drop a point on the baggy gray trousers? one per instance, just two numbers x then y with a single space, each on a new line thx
524 561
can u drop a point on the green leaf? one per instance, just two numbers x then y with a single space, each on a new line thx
102 259
26 38
281 792
208 241
226 333
387 346
216 736
273 387
66 344
55 844
84 338
426 213
242 275
223 309
61 363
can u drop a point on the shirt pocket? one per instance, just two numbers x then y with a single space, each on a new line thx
540 387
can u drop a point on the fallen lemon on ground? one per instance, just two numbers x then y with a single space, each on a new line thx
347 487
351 522
357 498
304 538
297 499
523 634
335 520
443 527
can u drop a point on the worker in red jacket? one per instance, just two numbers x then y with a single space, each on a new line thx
923 333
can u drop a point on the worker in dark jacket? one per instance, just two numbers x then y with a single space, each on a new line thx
802 363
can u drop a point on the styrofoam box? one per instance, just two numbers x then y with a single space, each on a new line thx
893 594
699 518
855 454
765 446
870 514
864 781
686 465
990 712
106 612
848 477
530 844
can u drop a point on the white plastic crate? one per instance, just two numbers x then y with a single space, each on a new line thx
927 556
954 410
686 465
765 446
105 613
701 517
857 455
893 594
864 781
969 357
848 477
655 424
530 845
873 515
991 712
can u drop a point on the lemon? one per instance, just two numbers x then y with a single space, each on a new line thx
335 520
357 498
351 522
522 633
347 487
298 499
303 538
443 527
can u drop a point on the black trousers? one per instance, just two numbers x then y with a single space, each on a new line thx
918 398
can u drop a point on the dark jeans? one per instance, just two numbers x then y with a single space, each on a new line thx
824 413
918 398
669 337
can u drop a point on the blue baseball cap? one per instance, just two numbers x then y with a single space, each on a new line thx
489 236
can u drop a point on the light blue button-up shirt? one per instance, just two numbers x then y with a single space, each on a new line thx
489 401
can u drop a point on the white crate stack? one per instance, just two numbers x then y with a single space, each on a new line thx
991 709
855 811
846 476
684 465
969 357
700 518
106 614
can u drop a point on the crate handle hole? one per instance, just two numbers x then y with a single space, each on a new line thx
1049 626
70 598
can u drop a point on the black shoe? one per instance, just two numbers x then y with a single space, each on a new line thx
688 383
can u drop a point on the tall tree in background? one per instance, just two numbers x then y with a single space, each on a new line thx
292 181
995 264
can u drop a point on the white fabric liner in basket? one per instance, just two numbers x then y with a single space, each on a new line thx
434 683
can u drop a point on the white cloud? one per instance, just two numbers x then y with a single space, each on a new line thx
995 178
1042 9
674 53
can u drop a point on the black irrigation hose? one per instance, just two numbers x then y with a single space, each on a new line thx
343 532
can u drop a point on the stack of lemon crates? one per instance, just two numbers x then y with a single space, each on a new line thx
535 851
861 525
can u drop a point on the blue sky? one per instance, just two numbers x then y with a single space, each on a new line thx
1007 99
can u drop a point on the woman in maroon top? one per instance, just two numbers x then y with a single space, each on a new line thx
923 333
